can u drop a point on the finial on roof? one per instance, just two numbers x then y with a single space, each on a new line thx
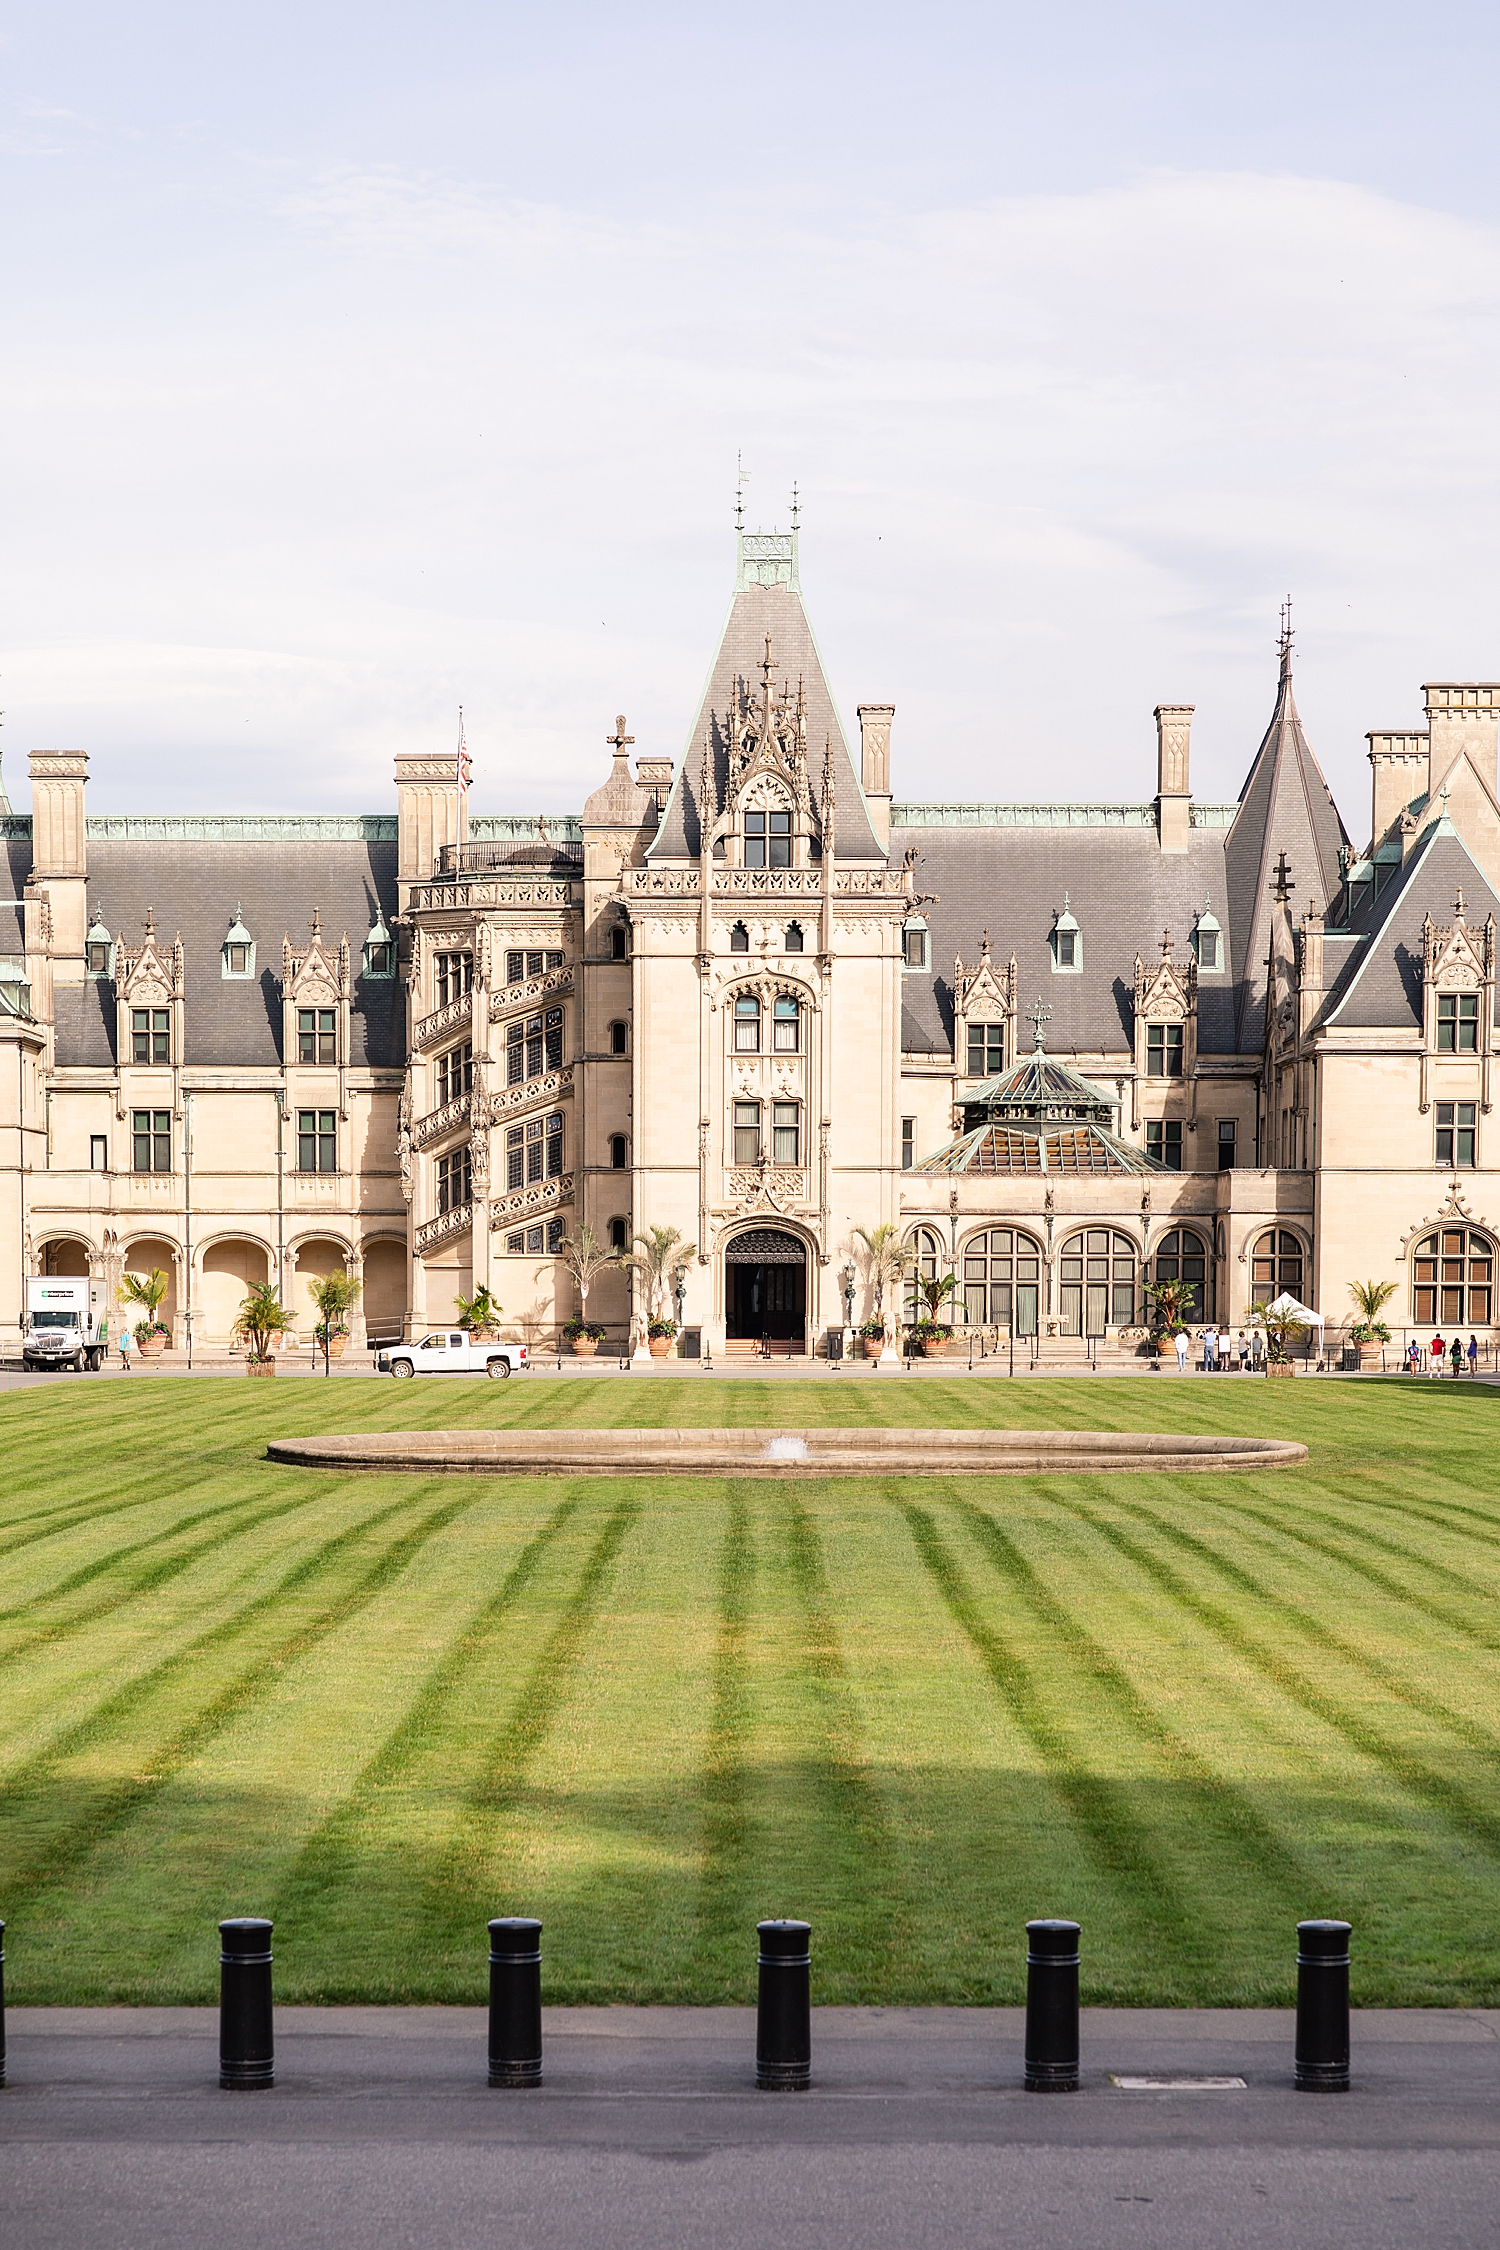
1166 945
796 503
984 946
316 925
150 925
1458 907
1284 643
765 669
1038 1018
619 740
742 478
1282 885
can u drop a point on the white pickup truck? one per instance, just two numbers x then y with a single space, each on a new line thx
450 1351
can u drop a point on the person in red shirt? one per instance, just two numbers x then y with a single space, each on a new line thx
1435 1362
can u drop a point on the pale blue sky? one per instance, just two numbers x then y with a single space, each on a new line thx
363 362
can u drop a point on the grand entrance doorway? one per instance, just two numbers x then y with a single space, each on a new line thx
765 1292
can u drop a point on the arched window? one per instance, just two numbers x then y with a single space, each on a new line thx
794 937
617 1154
618 1039
747 1024
617 943
1183 1256
926 1260
1096 1282
739 939
1002 1281
785 1016
617 1234
1452 1279
1275 1265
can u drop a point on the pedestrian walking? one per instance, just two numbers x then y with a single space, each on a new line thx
1257 1350
1473 1355
1457 1356
1180 1344
1435 1352
1244 1347
126 1340
1210 1350
1413 1357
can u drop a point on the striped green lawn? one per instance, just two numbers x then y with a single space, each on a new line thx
1187 1711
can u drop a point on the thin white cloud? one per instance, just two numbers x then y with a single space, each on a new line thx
1061 457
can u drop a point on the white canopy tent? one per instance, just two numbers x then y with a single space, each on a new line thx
1287 1303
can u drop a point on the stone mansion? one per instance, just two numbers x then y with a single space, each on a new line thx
1067 1048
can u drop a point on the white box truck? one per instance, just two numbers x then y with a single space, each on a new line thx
65 1324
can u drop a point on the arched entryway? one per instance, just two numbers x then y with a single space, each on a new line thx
69 1259
765 1292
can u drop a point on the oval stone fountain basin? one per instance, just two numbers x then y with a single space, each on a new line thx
780 1453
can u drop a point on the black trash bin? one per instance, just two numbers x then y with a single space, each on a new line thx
835 1343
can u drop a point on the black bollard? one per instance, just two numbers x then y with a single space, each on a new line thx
1322 2008
1052 2008
246 2047
783 2015
2 2003
515 2001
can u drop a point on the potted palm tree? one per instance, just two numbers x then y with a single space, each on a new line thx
262 1317
333 1294
657 1259
147 1290
1168 1305
479 1314
584 1255
931 1335
1281 1329
1370 1331
886 1258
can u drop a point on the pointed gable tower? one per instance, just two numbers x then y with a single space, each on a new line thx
766 620
1286 810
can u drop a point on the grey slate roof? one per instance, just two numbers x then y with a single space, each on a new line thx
1285 805
1123 890
194 887
15 866
754 612
1380 984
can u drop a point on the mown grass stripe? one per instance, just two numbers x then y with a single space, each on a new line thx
456 1889
113 1805
720 1913
1449 1798
1106 1829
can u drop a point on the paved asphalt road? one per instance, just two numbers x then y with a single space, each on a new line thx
648 2135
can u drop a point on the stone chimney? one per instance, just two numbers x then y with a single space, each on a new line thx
1398 772
1310 985
432 811
1463 717
1174 724
59 853
875 766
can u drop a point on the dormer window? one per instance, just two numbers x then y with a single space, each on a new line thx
1208 942
99 949
768 839
794 940
1066 942
914 944
739 939
315 1035
380 950
1458 1023
237 953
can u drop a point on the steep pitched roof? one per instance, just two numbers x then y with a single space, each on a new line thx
1381 986
758 609
1285 806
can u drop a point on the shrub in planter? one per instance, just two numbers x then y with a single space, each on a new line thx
260 1367
151 1339
1369 1335
931 1338
479 1314
659 1335
585 1336
334 1338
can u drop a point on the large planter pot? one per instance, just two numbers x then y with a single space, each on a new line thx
584 1347
859 1347
1369 1356
1166 1349
260 1367
659 1346
151 1347
1285 1367
336 1346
